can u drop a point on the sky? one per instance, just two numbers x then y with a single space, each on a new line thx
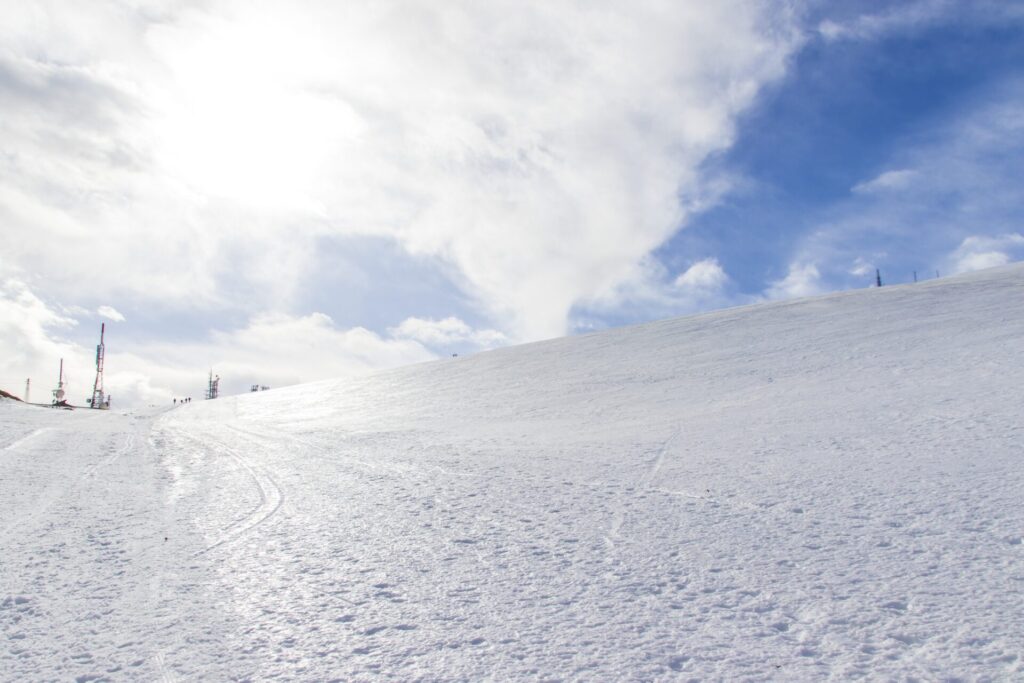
285 192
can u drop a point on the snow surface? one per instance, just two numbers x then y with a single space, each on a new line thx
823 488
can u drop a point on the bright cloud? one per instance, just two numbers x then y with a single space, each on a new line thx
912 15
110 313
861 267
272 350
191 155
980 261
706 274
889 180
980 252
281 349
893 18
32 337
801 280
652 292
446 332
275 350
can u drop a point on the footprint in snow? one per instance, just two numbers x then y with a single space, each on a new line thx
676 663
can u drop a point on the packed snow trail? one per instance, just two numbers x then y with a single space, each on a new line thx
824 488
92 584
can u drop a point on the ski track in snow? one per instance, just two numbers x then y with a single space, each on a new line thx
824 489
91 574
643 484
129 443
270 495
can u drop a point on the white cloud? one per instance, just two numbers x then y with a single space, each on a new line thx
979 252
278 349
915 15
705 275
110 313
801 280
889 180
861 267
194 153
980 261
32 343
898 17
272 349
650 292
446 332
71 310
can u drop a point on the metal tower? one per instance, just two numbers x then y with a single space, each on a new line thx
213 388
98 400
59 393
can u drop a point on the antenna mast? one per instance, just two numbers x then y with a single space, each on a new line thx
213 386
98 400
58 393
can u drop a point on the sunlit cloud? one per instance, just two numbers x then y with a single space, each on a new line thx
110 313
34 341
978 252
871 25
272 349
702 275
652 291
888 19
801 280
889 180
213 143
447 332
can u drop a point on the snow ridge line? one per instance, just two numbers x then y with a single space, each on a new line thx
271 499
28 437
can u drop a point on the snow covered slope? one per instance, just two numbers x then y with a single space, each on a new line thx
823 488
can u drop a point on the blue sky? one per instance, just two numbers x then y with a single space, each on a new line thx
295 191
848 111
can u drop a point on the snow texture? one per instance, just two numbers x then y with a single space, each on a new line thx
806 490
